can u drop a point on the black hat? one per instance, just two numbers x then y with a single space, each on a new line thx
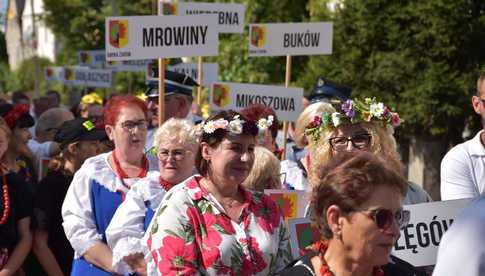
175 83
326 90
79 129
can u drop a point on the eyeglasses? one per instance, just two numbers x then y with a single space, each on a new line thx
359 141
482 100
131 125
384 218
177 154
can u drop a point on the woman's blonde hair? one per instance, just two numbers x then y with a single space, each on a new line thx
382 144
176 131
265 171
305 118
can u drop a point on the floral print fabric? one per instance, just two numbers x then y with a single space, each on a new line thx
192 235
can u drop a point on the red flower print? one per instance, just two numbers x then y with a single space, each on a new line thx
255 262
176 257
210 255
213 237
224 270
194 188
225 223
206 235
267 214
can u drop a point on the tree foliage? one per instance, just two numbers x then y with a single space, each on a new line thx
420 56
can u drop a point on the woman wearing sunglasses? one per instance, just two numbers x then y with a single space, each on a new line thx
175 145
355 126
357 206
100 185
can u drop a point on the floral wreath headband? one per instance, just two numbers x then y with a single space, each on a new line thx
353 111
234 126
15 113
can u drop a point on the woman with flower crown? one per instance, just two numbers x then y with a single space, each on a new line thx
100 185
175 146
15 212
212 225
357 125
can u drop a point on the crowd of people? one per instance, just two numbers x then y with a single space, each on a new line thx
104 188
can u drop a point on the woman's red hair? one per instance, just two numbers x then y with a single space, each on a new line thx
115 104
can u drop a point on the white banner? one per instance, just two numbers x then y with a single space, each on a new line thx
147 37
286 102
93 58
296 39
419 240
54 73
137 65
210 71
79 76
230 17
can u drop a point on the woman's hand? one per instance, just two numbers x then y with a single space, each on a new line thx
137 263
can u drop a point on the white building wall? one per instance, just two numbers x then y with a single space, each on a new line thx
44 43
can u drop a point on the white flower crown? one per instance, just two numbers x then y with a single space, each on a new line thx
263 123
235 126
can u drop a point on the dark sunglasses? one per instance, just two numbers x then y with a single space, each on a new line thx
384 218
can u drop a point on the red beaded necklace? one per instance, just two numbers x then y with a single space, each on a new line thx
122 174
165 184
325 270
6 201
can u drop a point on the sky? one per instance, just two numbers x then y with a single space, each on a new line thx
3 13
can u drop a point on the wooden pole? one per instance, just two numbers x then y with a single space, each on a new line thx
285 124
161 83
200 74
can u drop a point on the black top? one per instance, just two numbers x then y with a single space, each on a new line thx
48 201
20 197
304 267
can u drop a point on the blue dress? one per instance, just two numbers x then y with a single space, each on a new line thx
91 201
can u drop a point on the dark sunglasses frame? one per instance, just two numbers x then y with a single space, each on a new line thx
384 218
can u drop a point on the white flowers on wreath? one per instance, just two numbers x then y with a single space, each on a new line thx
235 126
264 124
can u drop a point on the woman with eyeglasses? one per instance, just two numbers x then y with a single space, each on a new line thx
175 145
357 206
211 224
356 126
100 185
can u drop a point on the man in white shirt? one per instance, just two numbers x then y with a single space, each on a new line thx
462 248
43 145
463 167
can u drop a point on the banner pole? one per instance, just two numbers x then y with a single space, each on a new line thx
161 83
200 74
285 124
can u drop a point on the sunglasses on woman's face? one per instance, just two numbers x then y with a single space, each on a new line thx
384 218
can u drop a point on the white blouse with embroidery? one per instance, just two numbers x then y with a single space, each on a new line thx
77 210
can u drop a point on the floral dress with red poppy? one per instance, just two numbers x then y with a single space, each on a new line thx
192 235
